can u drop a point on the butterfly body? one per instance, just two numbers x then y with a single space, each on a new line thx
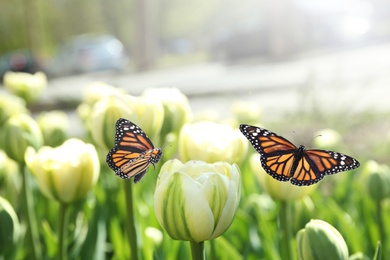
285 162
133 151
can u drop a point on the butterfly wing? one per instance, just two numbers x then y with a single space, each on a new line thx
284 161
139 166
315 164
131 138
133 151
276 153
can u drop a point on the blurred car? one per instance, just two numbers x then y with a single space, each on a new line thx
18 61
88 53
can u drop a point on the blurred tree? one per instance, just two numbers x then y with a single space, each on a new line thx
33 26
13 34
80 17
145 47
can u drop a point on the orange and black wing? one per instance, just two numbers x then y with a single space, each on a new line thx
284 161
315 164
277 154
133 151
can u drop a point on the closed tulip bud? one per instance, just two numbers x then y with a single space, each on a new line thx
9 106
246 113
369 167
25 85
320 240
9 227
207 115
146 114
18 133
211 142
378 180
99 90
83 111
8 174
177 109
65 173
277 189
54 126
197 201
327 139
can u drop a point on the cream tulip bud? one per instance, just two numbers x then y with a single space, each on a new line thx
18 133
246 112
143 112
197 201
54 126
25 85
177 109
211 142
96 91
65 173
11 105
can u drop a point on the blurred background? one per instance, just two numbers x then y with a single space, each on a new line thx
50 34
285 55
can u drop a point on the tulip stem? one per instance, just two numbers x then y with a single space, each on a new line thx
32 225
131 231
197 250
62 224
381 225
286 237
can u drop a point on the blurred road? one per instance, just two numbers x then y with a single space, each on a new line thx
356 80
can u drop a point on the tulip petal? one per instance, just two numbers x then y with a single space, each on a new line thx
186 214
37 168
231 205
216 190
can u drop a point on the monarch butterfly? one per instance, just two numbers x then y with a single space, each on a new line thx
133 151
284 161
